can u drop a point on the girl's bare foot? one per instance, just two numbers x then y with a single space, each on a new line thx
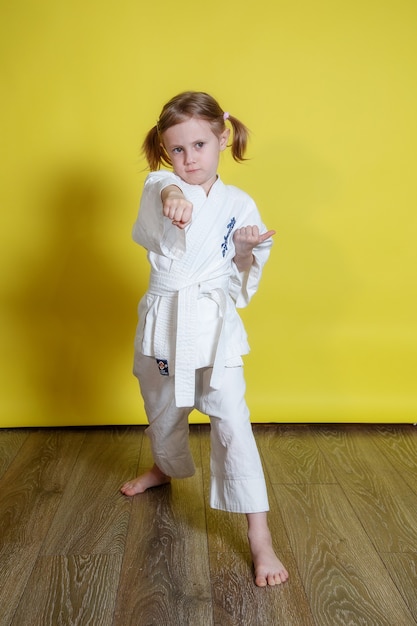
268 568
152 478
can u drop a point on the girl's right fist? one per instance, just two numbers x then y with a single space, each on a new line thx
176 207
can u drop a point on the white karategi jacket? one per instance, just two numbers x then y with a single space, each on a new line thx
188 315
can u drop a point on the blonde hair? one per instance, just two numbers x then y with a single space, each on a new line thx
180 108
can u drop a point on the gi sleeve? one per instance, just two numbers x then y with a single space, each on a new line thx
243 285
152 229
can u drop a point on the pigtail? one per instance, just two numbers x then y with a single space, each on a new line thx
153 151
240 138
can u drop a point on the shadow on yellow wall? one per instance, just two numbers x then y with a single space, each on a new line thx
73 308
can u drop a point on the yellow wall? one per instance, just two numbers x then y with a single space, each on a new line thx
329 91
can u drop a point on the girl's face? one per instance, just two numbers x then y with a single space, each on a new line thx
194 151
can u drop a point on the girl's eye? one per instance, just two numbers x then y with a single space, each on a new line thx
200 144
177 150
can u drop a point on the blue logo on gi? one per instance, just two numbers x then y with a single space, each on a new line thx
230 227
163 367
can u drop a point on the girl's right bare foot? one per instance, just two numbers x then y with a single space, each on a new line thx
152 478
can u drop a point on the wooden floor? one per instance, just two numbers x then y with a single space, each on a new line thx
75 551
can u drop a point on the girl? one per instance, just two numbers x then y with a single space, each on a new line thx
206 246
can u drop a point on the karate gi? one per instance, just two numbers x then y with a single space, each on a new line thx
190 339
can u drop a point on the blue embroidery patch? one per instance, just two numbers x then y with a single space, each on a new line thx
230 227
163 367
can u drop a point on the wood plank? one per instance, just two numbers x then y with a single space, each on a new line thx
403 570
382 500
93 515
239 602
74 551
344 578
17 561
30 493
291 455
398 442
165 576
11 440
32 487
70 590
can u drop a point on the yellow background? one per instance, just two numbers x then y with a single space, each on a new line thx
329 91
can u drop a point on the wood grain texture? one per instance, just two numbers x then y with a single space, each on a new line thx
30 492
399 445
403 570
11 440
337 561
93 515
74 551
65 590
165 577
383 501
291 455
238 602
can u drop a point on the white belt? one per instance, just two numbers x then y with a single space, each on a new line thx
187 333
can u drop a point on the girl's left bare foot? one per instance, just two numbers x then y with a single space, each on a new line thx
268 568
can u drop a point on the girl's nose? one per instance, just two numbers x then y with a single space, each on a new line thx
189 157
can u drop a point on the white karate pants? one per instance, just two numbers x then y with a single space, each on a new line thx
237 478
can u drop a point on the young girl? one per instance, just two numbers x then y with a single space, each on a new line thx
206 246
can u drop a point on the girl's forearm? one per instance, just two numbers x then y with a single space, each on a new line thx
243 263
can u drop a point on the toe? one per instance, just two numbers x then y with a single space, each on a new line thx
274 579
261 581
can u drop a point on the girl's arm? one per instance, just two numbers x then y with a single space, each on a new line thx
152 229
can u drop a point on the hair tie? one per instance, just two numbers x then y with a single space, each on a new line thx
226 115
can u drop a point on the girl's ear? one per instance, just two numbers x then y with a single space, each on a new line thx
223 139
